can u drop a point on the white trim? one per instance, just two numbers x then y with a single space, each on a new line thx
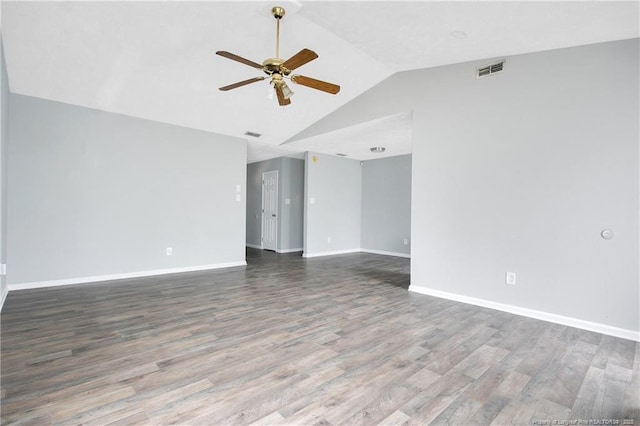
3 297
531 313
358 250
293 250
100 278
331 253
387 253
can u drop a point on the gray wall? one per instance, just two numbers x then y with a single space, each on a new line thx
290 216
95 193
520 172
4 139
386 205
335 184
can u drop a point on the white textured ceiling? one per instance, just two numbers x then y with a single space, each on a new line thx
155 60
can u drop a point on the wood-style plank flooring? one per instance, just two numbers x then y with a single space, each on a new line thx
287 340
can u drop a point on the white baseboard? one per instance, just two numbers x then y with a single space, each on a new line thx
101 278
357 250
386 253
531 313
277 251
3 297
331 253
288 250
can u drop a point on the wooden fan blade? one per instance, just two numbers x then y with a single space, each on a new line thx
238 59
316 84
242 83
299 59
281 99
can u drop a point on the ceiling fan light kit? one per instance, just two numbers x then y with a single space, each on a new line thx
277 69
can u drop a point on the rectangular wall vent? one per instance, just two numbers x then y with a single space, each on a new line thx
254 134
490 69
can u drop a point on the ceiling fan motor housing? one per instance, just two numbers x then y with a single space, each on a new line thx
274 65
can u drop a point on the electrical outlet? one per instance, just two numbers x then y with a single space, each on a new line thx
510 278
329 240
3 269
406 241
169 251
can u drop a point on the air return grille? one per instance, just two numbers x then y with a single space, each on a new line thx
490 69
253 134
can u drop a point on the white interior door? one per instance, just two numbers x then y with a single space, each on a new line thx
270 210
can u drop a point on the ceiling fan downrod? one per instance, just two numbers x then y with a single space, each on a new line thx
278 13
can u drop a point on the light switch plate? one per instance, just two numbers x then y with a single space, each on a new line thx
312 200
287 201
510 278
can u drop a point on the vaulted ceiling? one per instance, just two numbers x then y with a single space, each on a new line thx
156 60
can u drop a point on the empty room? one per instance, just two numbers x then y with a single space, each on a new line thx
320 212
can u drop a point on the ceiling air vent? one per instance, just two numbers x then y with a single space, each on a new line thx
490 69
254 134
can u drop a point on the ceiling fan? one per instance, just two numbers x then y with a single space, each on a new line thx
278 69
